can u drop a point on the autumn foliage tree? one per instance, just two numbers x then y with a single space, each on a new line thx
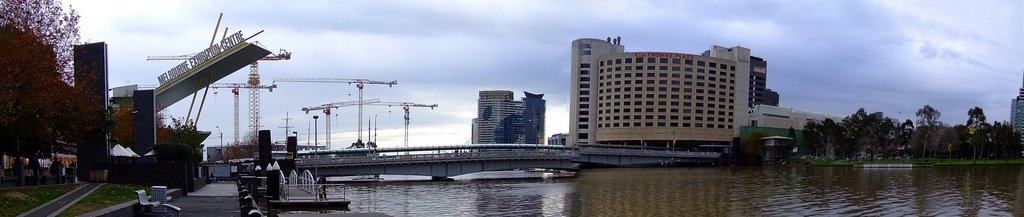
40 103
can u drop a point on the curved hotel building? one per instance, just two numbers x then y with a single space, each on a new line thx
657 98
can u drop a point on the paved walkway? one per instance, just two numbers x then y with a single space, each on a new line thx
215 199
58 205
207 206
216 190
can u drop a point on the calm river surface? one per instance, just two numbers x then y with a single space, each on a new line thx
712 191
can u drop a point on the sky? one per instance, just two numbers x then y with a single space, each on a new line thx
825 56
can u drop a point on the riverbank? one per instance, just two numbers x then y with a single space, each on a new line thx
933 161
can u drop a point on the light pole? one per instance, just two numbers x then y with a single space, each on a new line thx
316 147
221 137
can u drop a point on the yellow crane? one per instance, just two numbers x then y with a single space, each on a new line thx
234 90
254 79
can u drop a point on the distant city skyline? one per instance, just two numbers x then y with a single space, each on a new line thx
831 57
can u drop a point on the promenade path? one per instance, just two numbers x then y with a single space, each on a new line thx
215 200
58 205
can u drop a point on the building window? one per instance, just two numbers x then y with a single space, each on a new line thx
584 65
584 112
584 120
582 136
618 61
664 60
586 52
650 67
584 78
675 60
650 60
584 85
700 63
639 60
663 68
712 64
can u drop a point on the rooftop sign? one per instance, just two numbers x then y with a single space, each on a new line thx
666 55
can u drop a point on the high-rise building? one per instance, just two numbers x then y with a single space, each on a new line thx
533 118
759 93
657 98
499 119
1017 111
557 139
583 89
741 56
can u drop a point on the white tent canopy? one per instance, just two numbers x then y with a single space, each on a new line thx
130 151
120 151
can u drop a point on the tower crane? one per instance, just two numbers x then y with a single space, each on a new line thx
234 90
405 106
327 111
359 84
254 80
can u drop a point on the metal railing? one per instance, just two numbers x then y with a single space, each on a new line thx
461 156
315 194
641 152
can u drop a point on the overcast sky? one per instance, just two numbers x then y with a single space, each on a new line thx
825 56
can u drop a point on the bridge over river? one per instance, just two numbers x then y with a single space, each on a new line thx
448 161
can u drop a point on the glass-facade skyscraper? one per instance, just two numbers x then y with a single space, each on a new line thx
502 120
1017 111
533 118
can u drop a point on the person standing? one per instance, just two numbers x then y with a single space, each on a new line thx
321 188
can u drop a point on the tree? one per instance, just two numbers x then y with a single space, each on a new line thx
905 133
182 136
40 104
979 131
928 125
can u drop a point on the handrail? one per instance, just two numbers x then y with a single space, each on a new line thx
486 155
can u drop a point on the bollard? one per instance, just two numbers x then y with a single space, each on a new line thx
255 213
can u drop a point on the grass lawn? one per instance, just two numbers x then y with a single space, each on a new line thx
107 195
935 161
17 200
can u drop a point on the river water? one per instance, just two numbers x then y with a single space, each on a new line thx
712 191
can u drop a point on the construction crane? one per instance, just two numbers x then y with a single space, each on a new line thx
359 84
254 80
327 112
234 90
405 106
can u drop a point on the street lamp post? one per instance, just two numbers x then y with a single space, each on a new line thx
316 147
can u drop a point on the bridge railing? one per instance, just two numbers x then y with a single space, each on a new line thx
320 191
667 153
480 155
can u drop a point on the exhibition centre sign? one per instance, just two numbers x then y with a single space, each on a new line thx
201 58
206 67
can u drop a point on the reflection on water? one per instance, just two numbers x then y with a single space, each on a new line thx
735 191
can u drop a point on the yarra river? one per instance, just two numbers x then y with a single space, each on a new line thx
712 191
